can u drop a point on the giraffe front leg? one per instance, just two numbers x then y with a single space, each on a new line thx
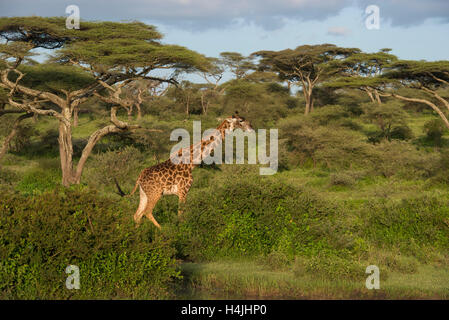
152 200
181 203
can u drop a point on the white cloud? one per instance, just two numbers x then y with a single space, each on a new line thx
207 14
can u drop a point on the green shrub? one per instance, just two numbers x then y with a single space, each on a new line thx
122 165
332 146
329 114
342 179
275 260
410 224
402 132
7 177
250 216
41 235
404 160
39 180
434 130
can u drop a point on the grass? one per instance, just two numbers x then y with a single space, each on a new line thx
249 280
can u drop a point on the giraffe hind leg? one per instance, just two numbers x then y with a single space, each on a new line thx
142 206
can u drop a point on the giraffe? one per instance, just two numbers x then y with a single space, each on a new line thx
168 177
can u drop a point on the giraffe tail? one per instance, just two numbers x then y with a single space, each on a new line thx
134 190
120 191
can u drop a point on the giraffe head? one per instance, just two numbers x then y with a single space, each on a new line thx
237 122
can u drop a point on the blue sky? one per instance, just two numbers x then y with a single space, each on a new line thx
414 29
428 40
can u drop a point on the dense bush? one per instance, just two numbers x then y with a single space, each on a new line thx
332 146
404 160
434 130
409 225
390 119
39 180
41 235
123 165
7 177
251 216
342 179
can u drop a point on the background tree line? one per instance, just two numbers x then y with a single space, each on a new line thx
124 67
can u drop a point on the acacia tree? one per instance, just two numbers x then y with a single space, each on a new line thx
424 80
362 71
142 89
237 64
98 54
306 66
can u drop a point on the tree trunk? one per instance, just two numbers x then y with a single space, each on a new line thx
430 104
376 93
116 127
370 94
307 91
308 99
202 102
139 111
66 151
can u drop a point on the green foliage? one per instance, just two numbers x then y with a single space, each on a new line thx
276 260
329 114
434 130
390 118
342 179
7 177
55 78
247 218
404 160
409 225
41 235
333 146
39 180
115 165
310 59
329 267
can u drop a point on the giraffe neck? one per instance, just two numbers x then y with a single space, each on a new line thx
208 144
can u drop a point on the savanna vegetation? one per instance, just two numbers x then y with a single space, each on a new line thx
363 173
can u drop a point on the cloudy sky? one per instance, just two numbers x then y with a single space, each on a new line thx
414 29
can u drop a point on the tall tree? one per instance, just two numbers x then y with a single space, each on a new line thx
361 71
307 65
101 53
424 79
236 63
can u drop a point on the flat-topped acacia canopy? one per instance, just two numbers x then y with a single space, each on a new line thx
116 46
83 61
